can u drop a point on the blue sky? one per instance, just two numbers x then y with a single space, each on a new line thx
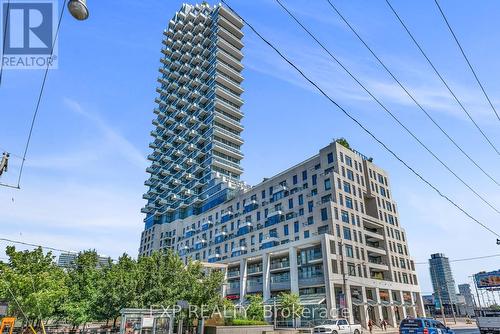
84 175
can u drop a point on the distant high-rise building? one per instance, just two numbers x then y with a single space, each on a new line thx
195 164
466 292
442 280
67 260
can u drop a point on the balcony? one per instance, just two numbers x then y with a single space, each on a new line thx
229 38
228 108
200 244
228 165
220 237
312 281
226 46
375 248
254 286
206 225
238 251
245 228
233 273
233 289
189 233
214 258
269 241
254 268
231 17
280 265
230 27
229 71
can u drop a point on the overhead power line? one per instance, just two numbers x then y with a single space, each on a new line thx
345 112
441 77
467 259
406 90
35 245
385 108
39 99
467 59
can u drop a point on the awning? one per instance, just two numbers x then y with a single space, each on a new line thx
385 303
397 303
371 302
304 300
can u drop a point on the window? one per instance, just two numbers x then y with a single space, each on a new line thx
304 175
263 194
301 199
347 187
348 202
328 184
351 269
285 229
314 179
296 227
295 179
347 233
324 214
348 161
345 216
350 175
310 205
306 234
348 251
290 203
330 158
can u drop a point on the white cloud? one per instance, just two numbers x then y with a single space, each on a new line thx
113 138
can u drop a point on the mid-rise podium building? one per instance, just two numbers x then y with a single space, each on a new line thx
327 228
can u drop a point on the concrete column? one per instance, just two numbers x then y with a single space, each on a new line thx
413 309
243 279
403 307
294 272
378 307
364 309
331 303
392 314
348 302
224 286
266 276
420 305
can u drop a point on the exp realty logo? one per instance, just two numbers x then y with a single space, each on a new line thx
29 29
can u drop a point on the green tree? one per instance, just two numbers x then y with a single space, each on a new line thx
83 287
255 310
116 289
290 305
32 284
343 142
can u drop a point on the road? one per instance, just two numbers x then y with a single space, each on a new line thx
467 331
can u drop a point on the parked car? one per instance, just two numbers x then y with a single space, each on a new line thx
338 326
423 326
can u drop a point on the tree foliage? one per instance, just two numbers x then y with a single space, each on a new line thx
90 292
291 303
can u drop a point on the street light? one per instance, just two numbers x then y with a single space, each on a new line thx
78 8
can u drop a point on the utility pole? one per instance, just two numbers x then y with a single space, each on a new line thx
344 279
477 293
